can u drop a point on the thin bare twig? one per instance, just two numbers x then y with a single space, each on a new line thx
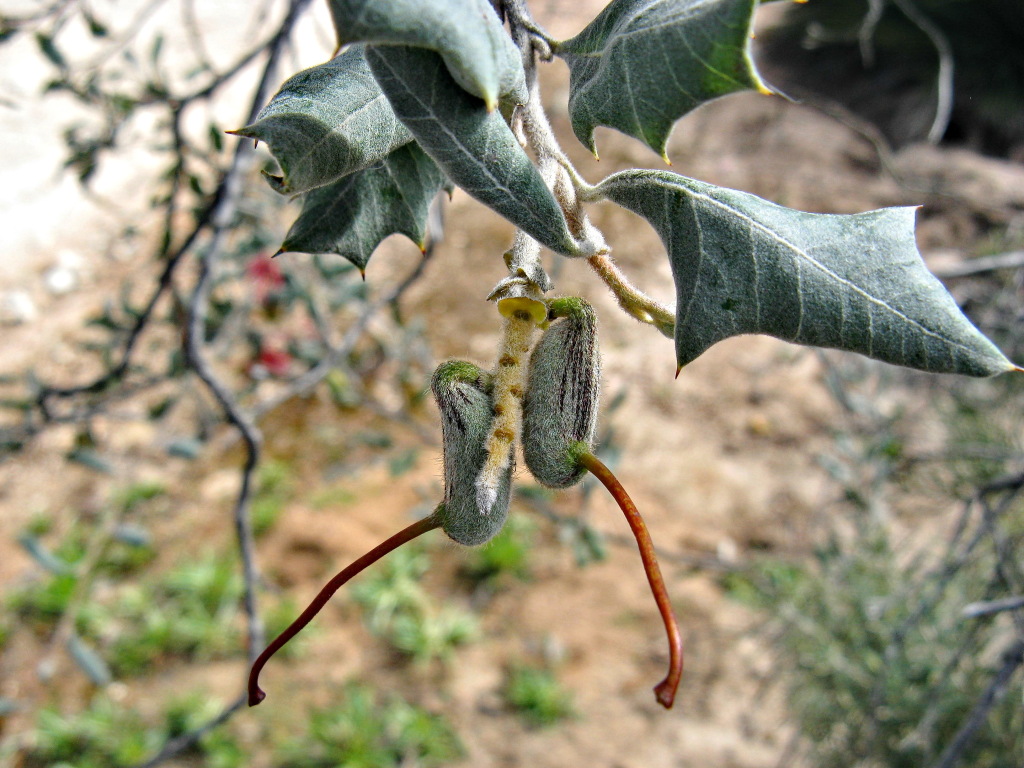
221 217
990 607
221 220
189 739
333 358
866 32
1013 657
982 264
944 76
195 34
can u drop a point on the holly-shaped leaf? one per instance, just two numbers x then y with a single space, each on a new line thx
855 282
353 215
643 64
326 122
467 34
474 147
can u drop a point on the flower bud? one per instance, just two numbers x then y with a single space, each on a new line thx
463 393
562 393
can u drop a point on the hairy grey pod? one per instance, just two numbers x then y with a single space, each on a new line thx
463 394
562 393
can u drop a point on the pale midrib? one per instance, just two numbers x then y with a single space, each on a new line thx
753 223
429 112
339 128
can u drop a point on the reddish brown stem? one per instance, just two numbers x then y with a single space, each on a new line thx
665 691
256 694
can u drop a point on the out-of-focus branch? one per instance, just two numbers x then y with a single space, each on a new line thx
944 77
1013 658
221 217
988 608
336 354
172 257
189 739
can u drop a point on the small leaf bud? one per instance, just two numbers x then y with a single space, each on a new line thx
562 394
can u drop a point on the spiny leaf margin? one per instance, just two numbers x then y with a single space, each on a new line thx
643 64
353 215
857 282
326 122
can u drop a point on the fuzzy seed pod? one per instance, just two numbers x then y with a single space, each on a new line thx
562 393
463 393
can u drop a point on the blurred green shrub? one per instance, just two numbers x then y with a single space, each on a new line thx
536 695
364 732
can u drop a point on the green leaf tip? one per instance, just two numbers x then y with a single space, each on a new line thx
643 64
854 282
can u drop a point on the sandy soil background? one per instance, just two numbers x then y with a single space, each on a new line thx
724 461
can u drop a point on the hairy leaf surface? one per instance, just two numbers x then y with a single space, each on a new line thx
474 147
326 122
856 282
353 215
643 64
480 56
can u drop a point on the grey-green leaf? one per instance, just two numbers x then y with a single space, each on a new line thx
643 64
467 34
353 215
327 122
474 147
855 282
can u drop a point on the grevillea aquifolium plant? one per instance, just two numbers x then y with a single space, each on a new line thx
428 95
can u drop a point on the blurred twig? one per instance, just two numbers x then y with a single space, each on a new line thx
171 256
944 76
966 267
987 608
190 738
221 217
1012 658
336 354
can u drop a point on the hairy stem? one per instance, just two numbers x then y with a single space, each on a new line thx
665 691
404 536
509 387
635 302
